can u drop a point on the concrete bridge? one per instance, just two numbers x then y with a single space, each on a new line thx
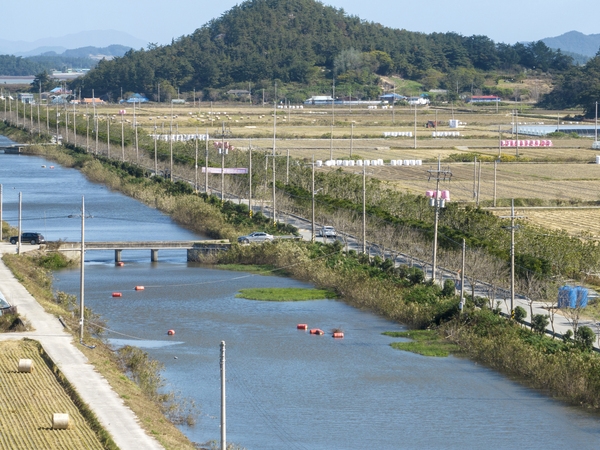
194 248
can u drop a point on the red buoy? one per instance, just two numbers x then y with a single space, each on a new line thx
338 335
302 326
171 332
317 331
139 288
117 294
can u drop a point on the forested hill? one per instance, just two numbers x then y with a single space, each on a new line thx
301 41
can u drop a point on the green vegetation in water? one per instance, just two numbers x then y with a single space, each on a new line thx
425 342
285 294
259 269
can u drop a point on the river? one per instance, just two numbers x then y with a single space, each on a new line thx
286 389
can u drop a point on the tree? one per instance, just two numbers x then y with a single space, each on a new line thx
520 314
539 322
585 337
45 80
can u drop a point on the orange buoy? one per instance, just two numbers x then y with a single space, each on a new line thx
120 264
117 294
317 331
302 326
139 288
171 332
338 335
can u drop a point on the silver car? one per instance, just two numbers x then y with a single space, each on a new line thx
328 232
257 236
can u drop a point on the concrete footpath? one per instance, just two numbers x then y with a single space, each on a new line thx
115 417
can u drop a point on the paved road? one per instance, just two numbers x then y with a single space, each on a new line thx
561 323
115 417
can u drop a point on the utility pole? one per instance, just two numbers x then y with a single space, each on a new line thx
155 151
512 228
351 138
20 212
137 153
74 127
495 167
122 137
250 178
415 125
479 184
108 136
81 273
223 400
517 132
364 230
287 168
274 138
171 144
439 174
475 179
196 163
171 151
312 239
206 165
222 152
462 275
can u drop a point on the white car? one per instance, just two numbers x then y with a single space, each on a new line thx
257 236
328 232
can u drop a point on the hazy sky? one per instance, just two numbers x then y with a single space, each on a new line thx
158 21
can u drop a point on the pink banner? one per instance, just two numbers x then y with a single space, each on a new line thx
227 170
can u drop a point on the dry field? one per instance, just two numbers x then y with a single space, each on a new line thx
561 173
30 399
562 181
575 221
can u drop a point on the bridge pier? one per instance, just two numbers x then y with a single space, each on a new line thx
118 255
154 255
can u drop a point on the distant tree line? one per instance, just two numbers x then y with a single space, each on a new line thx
11 65
305 42
578 87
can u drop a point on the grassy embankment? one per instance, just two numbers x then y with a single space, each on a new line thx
150 409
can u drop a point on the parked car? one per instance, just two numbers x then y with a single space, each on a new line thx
257 236
32 238
328 232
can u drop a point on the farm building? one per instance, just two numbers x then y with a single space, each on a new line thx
417 101
543 130
319 100
392 97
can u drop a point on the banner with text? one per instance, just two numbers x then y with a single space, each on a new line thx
227 170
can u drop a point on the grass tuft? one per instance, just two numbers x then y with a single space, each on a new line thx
285 294
425 342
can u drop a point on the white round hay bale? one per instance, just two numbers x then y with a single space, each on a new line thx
25 365
60 421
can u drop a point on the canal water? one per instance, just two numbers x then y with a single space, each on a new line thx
286 389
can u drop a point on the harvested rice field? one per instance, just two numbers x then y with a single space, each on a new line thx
29 400
582 222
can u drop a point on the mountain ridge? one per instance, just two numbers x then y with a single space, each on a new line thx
575 42
91 38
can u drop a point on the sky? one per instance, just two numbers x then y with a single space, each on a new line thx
157 21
